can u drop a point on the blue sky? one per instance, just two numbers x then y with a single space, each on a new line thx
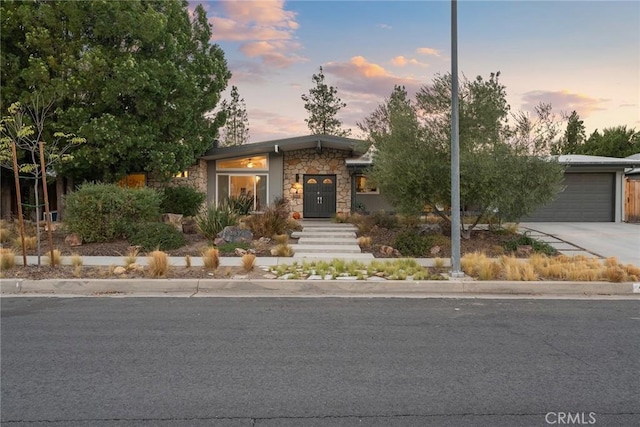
577 55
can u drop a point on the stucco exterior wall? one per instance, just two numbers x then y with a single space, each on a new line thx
309 161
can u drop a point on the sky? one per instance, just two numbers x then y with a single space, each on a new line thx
575 55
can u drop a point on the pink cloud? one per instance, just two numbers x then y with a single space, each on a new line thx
563 100
428 51
358 76
265 27
401 61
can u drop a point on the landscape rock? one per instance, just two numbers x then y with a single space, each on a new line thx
119 271
73 240
189 226
435 250
233 234
219 241
387 250
240 251
173 219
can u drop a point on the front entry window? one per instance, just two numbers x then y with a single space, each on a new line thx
237 185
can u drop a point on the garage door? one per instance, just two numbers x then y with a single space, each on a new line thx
588 197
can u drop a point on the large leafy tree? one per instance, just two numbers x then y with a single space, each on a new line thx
236 127
323 105
134 78
412 161
616 141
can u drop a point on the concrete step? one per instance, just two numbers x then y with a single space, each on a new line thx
310 256
325 224
327 241
329 229
327 249
328 234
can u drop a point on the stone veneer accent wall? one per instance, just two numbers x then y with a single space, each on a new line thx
309 161
197 178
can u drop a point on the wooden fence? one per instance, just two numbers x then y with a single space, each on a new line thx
632 202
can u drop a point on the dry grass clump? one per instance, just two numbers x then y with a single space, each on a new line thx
438 262
478 265
54 257
31 243
187 261
281 239
132 256
611 262
248 261
615 274
158 263
5 234
211 258
7 259
283 250
364 241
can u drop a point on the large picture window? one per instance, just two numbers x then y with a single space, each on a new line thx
365 186
239 163
236 185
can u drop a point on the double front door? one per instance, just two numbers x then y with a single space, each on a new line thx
319 192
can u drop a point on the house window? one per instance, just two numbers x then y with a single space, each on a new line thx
133 180
365 186
243 163
183 174
236 185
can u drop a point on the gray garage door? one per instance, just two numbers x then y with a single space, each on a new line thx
588 197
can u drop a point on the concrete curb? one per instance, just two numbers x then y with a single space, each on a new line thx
319 288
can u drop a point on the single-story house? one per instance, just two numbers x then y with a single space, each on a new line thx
594 191
321 175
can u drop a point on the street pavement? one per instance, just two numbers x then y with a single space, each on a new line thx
318 362
603 239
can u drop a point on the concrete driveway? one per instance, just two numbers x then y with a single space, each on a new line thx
604 239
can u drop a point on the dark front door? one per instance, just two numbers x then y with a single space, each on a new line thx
319 192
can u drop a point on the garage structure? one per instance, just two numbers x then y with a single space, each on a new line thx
593 191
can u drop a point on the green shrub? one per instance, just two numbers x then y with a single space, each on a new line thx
241 205
157 236
536 245
410 243
230 247
214 219
102 212
384 220
185 201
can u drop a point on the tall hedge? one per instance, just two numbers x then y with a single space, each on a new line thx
103 212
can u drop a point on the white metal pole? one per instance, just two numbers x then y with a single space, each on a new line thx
455 149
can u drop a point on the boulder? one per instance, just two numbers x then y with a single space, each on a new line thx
435 250
73 240
219 241
173 219
232 234
240 251
189 226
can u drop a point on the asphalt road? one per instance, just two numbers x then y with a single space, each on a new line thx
318 362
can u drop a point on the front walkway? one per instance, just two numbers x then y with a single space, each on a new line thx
322 239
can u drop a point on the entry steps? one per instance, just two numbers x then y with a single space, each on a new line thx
324 240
